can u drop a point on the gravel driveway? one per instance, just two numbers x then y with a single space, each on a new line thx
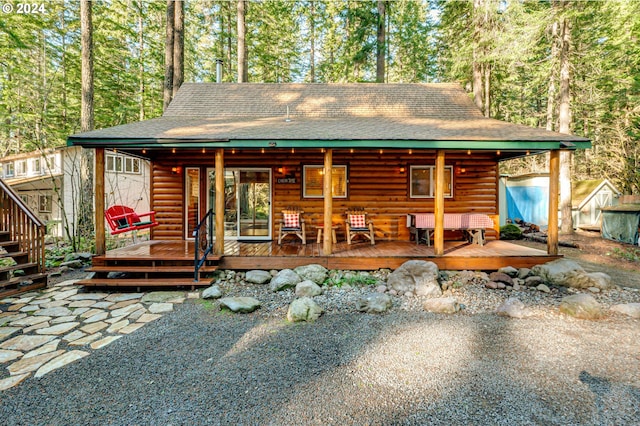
200 366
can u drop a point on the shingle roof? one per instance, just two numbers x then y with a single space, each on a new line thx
321 112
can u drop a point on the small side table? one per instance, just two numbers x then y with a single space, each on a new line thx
319 229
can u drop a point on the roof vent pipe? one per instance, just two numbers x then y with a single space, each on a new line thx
219 63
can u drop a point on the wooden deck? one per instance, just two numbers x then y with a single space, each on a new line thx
358 256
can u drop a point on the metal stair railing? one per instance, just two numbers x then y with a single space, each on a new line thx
203 235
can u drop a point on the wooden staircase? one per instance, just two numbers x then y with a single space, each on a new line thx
170 265
22 261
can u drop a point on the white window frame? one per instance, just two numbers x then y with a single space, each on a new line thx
335 167
9 170
36 166
21 168
432 182
45 203
131 164
116 163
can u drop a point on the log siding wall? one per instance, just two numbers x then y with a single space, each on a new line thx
375 182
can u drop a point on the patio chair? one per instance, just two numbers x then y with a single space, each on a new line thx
124 219
292 223
357 223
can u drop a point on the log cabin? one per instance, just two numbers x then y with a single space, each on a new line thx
246 152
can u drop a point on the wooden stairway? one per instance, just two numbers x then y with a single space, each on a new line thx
22 265
135 270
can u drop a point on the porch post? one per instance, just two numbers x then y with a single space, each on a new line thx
554 187
98 189
327 239
219 206
438 208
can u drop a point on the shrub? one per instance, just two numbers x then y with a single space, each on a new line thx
510 232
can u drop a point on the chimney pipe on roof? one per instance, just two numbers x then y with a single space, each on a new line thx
219 63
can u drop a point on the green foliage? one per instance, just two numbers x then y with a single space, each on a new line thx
630 254
339 279
510 232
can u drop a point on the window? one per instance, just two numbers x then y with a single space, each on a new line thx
21 167
423 181
114 163
132 165
44 203
51 163
36 166
8 170
313 181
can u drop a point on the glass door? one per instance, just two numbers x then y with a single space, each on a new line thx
247 206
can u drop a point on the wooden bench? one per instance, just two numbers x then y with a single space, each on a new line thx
473 225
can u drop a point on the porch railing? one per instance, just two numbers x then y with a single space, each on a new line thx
22 225
203 235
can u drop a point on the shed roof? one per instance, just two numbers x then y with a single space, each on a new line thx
438 115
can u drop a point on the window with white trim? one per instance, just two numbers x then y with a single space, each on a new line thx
36 166
21 168
44 203
8 170
423 181
313 181
132 165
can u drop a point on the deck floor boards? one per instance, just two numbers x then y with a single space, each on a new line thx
360 255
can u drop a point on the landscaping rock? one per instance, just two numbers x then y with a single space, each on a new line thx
303 309
514 308
316 273
308 288
442 305
509 270
285 279
212 292
565 272
257 276
240 304
417 277
582 306
501 277
524 273
630 309
543 288
374 303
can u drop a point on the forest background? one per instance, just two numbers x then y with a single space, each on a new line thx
511 56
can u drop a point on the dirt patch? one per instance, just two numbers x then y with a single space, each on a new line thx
597 254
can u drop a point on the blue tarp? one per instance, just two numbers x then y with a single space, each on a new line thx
529 203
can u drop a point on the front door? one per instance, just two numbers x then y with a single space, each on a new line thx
247 202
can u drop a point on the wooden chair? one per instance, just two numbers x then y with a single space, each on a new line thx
292 223
357 223
124 219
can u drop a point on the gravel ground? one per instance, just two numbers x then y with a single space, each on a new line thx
202 366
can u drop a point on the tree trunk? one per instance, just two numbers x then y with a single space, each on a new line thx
487 90
551 93
86 29
168 55
381 42
312 42
477 66
243 72
566 224
178 47
141 86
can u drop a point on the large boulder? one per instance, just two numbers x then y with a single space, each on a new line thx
303 309
374 303
212 292
257 276
314 272
239 304
283 280
567 273
308 288
441 305
582 306
416 276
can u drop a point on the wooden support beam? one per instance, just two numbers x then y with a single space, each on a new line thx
99 191
327 241
219 206
554 187
438 207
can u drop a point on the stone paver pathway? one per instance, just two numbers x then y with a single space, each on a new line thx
45 330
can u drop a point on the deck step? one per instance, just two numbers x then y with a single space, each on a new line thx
13 254
148 282
13 285
165 269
